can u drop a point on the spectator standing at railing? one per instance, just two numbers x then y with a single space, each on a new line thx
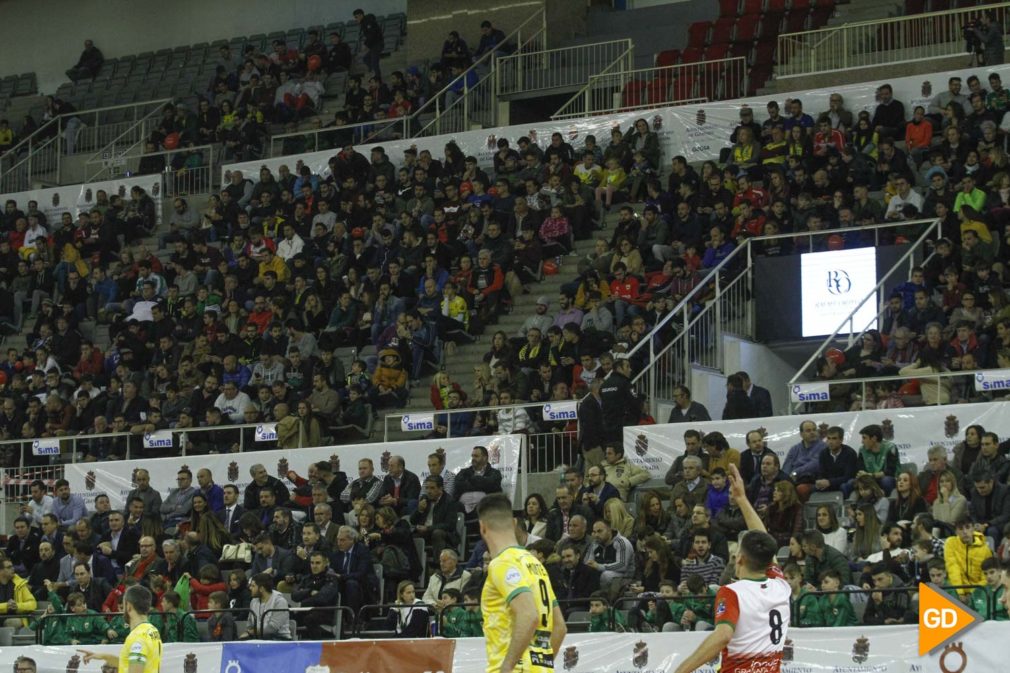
990 33
371 37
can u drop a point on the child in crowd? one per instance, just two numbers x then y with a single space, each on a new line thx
171 605
54 629
611 181
694 610
806 607
717 498
835 608
938 575
220 625
657 613
459 621
84 626
600 615
988 600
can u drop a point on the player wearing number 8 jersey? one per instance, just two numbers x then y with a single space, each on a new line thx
523 625
751 614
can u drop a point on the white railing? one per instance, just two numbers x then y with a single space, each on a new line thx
133 138
959 387
616 90
473 106
722 302
39 156
564 67
335 137
862 44
848 326
529 36
550 444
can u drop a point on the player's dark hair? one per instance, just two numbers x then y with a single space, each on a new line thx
757 550
495 509
139 597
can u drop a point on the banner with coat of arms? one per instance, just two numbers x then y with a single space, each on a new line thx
858 649
75 199
117 478
697 131
913 430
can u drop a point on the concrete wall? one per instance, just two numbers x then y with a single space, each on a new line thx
429 22
47 36
765 367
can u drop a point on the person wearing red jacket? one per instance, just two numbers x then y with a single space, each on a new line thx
624 295
486 285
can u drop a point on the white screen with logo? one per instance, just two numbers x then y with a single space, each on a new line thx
833 284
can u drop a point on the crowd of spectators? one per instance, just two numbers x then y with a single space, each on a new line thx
621 551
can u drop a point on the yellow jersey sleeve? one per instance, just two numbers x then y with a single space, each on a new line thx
510 579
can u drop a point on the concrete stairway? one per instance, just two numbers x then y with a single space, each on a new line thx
460 365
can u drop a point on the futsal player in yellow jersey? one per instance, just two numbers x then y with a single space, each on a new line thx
141 652
523 625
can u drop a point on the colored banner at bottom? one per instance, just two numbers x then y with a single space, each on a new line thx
876 649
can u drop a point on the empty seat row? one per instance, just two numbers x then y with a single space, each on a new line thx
734 8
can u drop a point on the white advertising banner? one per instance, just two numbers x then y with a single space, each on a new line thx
835 283
46 447
417 422
75 199
697 131
875 649
561 411
116 478
162 439
267 432
808 392
992 379
913 431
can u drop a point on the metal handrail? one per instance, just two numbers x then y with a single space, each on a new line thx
434 102
607 81
467 410
935 225
684 308
878 41
158 107
362 137
553 77
74 439
207 150
862 382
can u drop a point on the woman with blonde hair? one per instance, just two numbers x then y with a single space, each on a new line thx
616 514
483 385
441 386
950 505
410 616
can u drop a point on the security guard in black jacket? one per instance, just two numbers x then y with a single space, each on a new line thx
621 405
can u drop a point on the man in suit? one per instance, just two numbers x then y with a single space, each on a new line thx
232 511
560 516
352 562
120 544
401 488
23 546
95 589
761 398
435 517
99 566
322 514
750 460
277 562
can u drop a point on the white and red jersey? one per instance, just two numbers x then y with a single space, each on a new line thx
758 611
